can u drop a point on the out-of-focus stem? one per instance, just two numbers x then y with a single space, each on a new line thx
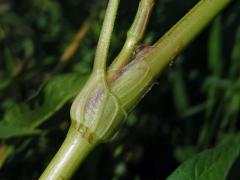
82 32
5 151
72 48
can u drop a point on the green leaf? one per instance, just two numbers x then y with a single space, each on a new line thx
5 83
23 119
234 69
214 60
179 89
215 47
9 131
28 46
213 164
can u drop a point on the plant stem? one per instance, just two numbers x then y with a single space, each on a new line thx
134 35
105 36
182 33
70 155
129 87
77 144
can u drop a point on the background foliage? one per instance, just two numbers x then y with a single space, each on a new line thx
194 106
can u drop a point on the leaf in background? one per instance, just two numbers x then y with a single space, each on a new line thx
179 89
10 130
229 138
234 69
215 66
215 47
5 83
9 59
28 47
2 33
22 119
213 164
214 60
182 153
232 96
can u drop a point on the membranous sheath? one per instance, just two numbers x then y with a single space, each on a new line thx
90 109
133 82
98 110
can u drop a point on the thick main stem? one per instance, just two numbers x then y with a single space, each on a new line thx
182 33
72 152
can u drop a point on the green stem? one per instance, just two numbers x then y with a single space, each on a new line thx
68 158
105 36
77 144
182 33
128 88
134 35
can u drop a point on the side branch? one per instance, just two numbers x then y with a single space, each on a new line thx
134 35
105 36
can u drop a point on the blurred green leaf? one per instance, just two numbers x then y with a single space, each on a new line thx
234 71
22 119
214 60
215 47
9 59
229 138
184 152
180 93
11 130
213 164
28 47
5 83
2 34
